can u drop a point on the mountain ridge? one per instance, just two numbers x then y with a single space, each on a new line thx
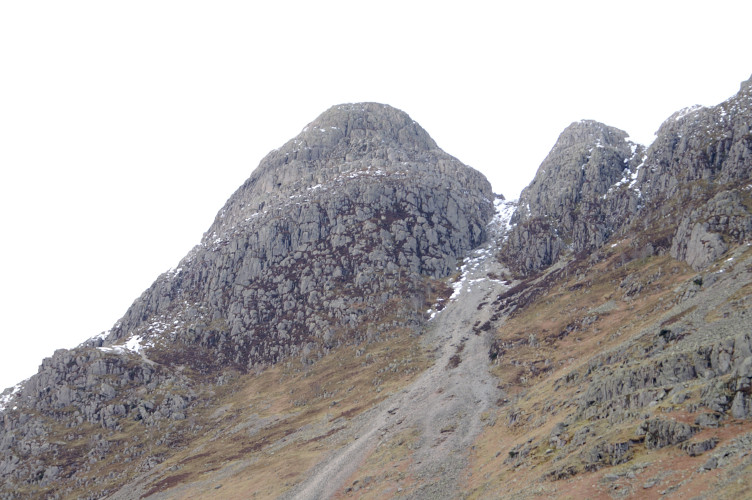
361 273
698 143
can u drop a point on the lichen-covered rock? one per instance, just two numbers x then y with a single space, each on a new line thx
699 238
741 406
695 448
604 454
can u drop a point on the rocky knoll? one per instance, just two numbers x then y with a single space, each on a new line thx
336 238
700 168
359 205
653 282
686 192
565 207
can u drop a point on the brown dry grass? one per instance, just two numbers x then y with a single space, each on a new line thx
533 373
304 410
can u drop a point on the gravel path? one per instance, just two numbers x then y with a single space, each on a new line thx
444 404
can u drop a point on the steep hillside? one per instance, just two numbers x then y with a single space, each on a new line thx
627 376
365 319
686 192
629 370
337 239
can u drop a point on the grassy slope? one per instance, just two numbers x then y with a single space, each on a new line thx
259 434
585 312
613 304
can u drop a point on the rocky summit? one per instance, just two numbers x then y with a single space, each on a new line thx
366 319
341 224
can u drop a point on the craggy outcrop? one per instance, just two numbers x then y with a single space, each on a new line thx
336 238
352 213
565 207
688 193
699 238
698 169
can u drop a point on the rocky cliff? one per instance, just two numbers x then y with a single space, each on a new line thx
337 238
630 333
685 192
565 207
346 217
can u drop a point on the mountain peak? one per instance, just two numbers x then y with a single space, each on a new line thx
560 208
590 132
357 302
346 141
366 122
349 132
589 156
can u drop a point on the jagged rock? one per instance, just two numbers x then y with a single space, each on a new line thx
558 436
699 239
708 420
595 183
700 143
660 433
613 391
716 396
564 205
607 454
696 448
580 437
729 452
360 204
741 406
704 247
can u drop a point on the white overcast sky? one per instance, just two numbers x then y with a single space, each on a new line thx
124 126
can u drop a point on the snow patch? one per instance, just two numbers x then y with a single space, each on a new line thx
5 399
504 211
687 111
457 286
136 344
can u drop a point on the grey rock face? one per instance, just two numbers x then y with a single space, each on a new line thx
358 206
660 433
587 159
694 179
701 162
699 236
699 143
333 239
565 206
618 391
607 454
